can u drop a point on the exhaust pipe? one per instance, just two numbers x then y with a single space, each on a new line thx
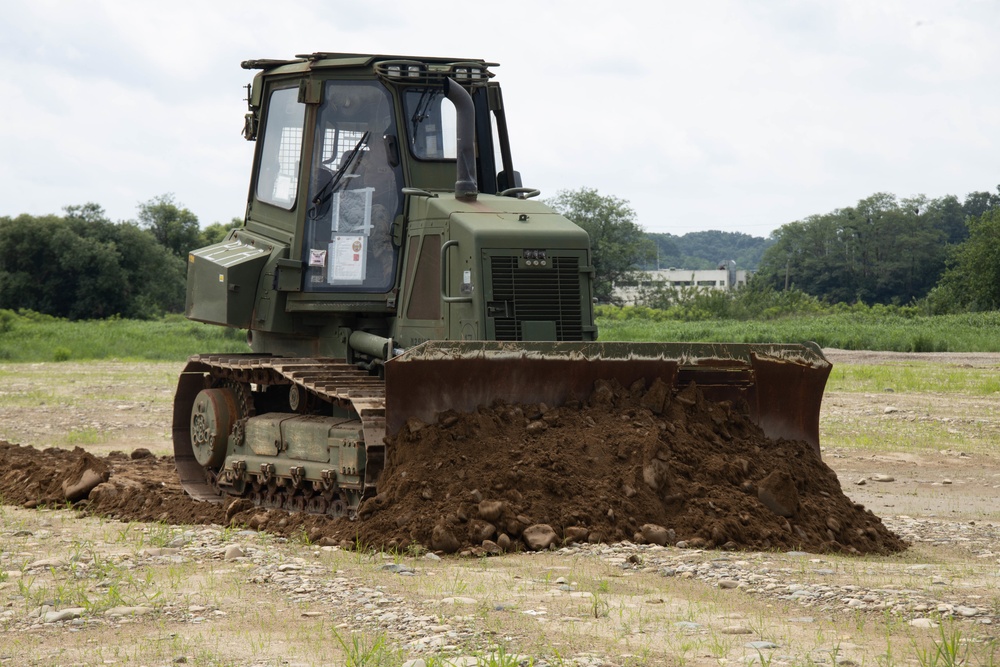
466 186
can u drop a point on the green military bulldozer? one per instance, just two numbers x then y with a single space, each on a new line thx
391 266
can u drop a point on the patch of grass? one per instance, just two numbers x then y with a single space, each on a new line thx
173 338
865 330
914 377
84 436
361 650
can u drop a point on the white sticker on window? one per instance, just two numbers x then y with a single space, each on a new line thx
317 257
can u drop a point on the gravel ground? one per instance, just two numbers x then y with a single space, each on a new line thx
86 591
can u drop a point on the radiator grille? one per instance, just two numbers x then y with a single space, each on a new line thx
551 294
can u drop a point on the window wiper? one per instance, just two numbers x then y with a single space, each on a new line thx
427 97
346 161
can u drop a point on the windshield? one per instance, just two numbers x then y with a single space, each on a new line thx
354 191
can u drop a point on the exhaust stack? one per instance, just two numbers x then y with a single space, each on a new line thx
466 186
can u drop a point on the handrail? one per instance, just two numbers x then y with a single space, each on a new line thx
444 276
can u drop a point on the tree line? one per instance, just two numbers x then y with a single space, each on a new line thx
889 251
943 253
883 250
82 265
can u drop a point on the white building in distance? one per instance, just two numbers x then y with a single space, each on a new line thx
726 277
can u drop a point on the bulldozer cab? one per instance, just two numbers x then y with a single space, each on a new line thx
340 138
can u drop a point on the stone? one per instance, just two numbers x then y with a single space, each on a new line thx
777 492
128 611
67 614
237 506
503 541
657 535
491 510
883 478
479 530
536 427
233 551
444 540
577 534
397 568
82 487
656 474
539 536
923 623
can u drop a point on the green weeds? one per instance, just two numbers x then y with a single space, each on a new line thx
949 651
361 650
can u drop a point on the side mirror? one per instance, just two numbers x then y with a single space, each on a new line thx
503 182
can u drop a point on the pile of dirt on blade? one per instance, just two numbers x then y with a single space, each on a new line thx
632 465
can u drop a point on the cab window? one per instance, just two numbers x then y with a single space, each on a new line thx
281 152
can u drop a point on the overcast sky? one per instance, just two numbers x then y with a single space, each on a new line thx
716 114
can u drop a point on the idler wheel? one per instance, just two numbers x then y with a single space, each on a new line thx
212 417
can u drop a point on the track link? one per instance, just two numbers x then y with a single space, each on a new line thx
318 380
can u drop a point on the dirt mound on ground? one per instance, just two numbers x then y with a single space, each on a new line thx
137 488
641 465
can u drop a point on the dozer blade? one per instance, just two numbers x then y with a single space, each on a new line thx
782 385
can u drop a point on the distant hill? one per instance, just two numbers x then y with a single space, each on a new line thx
705 250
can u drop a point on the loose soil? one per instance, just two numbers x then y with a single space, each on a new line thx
633 464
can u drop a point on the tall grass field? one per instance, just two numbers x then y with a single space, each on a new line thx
30 337
969 332
33 338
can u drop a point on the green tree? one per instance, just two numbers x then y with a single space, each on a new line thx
173 227
217 231
83 266
879 251
618 245
972 279
978 203
948 216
